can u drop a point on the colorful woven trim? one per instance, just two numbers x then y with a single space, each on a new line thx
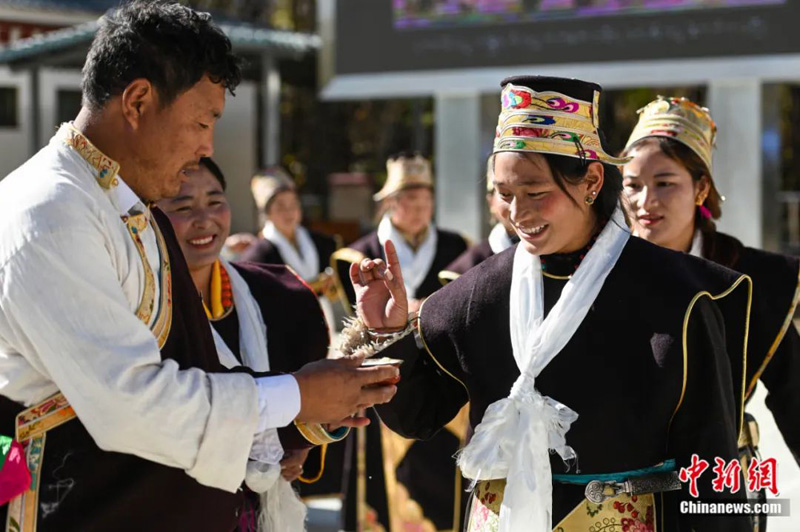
163 321
317 435
31 432
679 119
550 122
220 293
105 167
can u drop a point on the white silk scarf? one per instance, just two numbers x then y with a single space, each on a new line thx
305 261
499 239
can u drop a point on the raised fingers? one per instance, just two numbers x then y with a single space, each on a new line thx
393 261
365 271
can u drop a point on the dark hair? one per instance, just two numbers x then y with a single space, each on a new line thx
166 43
209 163
683 154
571 170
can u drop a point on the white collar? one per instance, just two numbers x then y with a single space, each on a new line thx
103 169
697 244
126 198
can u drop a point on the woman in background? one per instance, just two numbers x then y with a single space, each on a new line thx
284 240
672 201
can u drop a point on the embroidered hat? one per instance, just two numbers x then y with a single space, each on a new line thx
265 186
542 114
403 172
680 119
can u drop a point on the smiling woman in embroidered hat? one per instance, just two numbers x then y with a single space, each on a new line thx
529 337
671 200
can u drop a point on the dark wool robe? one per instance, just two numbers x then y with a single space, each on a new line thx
427 470
122 492
265 252
774 345
640 398
470 258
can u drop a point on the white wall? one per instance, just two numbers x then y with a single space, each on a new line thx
50 82
14 143
236 153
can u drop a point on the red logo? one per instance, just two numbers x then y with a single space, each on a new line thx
763 475
728 475
692 473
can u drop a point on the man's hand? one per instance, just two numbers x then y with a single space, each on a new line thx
292 464
333 390
381 300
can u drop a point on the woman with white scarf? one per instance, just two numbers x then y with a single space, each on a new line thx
596 365
284 240
672 201
430 486
264 318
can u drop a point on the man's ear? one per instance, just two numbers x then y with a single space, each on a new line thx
138 98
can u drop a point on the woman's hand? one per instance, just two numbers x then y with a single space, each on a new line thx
292 464
381 300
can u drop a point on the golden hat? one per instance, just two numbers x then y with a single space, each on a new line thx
268 184
405 171
541 114
680 119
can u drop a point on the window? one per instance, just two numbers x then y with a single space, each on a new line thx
68 103
9 108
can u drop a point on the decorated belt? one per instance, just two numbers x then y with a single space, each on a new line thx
604 486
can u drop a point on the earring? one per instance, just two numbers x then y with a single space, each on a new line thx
590 199
699 201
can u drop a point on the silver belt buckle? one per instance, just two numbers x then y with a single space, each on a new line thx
598 491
